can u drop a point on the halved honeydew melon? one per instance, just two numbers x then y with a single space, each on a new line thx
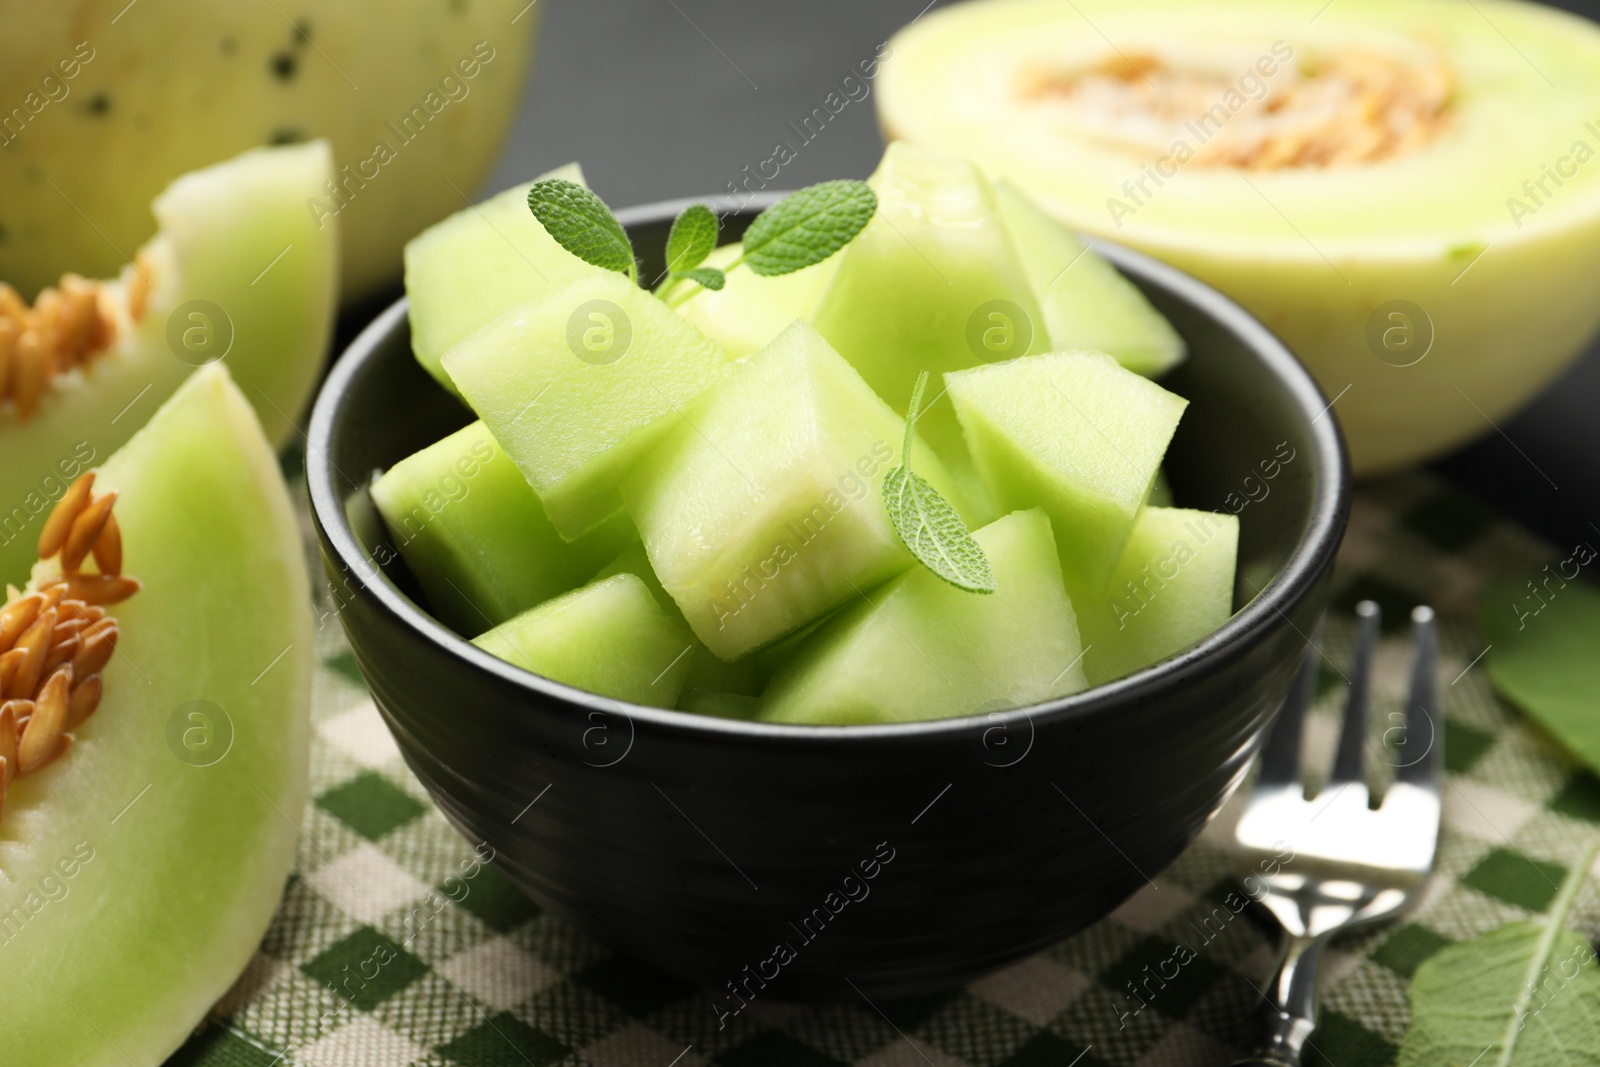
478 264
920 648
139 871
766 510
1406 193
610 637
1075 433
472 531
1172 586
580 385
934 283
751 309
238 271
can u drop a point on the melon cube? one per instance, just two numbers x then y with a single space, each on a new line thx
751 309
581 384
1076 434
609 637
933 283
767 511
474 535
920 648
1172 586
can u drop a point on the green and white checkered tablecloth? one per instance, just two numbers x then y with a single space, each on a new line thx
491 981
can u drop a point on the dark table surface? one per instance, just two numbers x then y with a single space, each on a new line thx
670 98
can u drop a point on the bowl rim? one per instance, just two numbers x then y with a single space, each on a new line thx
1310 558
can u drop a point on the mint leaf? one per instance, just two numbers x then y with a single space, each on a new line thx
580 222
808 226
1525 994
693 236
709 277
926 522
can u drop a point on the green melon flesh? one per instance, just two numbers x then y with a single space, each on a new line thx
1076 434
478 264
1172 586
474 534
609 637
573 426
1491 227
719 705
905 294
919 648
188 861
1086 302
751 309
767 511
237 235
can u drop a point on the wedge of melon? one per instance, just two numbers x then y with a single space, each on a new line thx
1172 586
1076 434
579 385
765 511
1086 303
751 309
236 237
474 534
920 648
609 637
933 283
478 264
138 872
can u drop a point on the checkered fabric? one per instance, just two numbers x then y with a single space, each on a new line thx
492 981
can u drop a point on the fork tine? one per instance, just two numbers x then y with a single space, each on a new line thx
1280 757
1347 765
1424 724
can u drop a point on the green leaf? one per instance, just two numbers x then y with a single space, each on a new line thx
693 236
581 223
808 226
1542 655
926 522
1525 994
710 277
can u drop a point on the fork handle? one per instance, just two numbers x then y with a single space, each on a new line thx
1290 1013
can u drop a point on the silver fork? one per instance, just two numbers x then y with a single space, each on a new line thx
1324 865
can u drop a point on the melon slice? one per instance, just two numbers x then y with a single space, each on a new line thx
478 264
1077 434
238 270
919 648
933 283
1172 586
766 511
1086 303
581 384
751 309
141 868
1428 160
474 534
609 637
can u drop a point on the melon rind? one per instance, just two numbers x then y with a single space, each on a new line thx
188 862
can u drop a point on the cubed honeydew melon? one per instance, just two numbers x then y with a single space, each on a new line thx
933 283
610 637
751 309
719 705
1172 586
1086 302
1074 433
767 511
478 264
473 532
581 384
920 648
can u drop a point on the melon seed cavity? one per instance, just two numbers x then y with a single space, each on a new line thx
55 641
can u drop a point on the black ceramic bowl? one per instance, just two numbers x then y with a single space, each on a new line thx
786 860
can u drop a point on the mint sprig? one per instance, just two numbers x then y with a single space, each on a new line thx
802 229
927 523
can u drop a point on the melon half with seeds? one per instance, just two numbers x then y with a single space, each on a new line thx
238 271
148 824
